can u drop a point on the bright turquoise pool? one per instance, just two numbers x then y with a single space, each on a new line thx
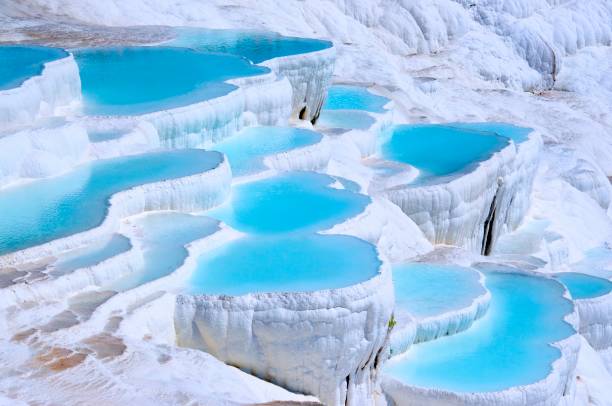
345 119
582 286
165 235
139 80
257 46
292 201
438 150
426 290
509 346
52 208
246 150
287 263
20 63
343 97
515 133
91 255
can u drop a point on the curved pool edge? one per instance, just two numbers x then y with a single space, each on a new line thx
596 320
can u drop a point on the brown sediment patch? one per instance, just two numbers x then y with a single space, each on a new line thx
60 321
59 358
112 324
105 345
22 335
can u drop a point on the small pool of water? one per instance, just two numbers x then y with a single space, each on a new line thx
343 97
582 286
287 263
509 346
439 151
426 290
515 133
139 80
164 236
246 150
345 119
289 202
47 209
91 255
20 63
257 46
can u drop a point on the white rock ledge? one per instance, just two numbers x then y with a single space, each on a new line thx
596 320
456 212
308 158
57 89
191 193
328 343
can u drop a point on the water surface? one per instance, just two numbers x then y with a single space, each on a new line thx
582 286
344 97
20 63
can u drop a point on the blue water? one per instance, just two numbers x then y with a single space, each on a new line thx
286 263
341 97
439 150
246 150
509 346
426 290
20 63
92 254
293 201
138 80
582 286
345 119
52 208
515 133
165 235
257 46
102 136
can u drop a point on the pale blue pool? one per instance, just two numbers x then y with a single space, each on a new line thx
52 208
165 235
292 201
246 150
139 80
439 151
515 133
343 97
509 346
426 290
20 63
91 255
345 119
582 286
257 46
286 263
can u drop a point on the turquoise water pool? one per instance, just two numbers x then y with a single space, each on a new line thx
246 150
582 286
345 119
47 209
343 97
164 236
509 346
515 133
286 263
426 290
257 46
139 80
20 63
439 151
91 255
290 202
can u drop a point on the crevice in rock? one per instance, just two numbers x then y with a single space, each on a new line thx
348 382
487 237
302 114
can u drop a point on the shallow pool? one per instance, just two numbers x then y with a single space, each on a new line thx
515 133
246 150
438 150
344 97
289 202
47 209
164 236
257 46
20 63
286 263
582 286
509 346
91 255
345 119
426 290
139 80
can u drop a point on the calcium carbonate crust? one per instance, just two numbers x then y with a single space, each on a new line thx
558 387
196 192
596 321
57 89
